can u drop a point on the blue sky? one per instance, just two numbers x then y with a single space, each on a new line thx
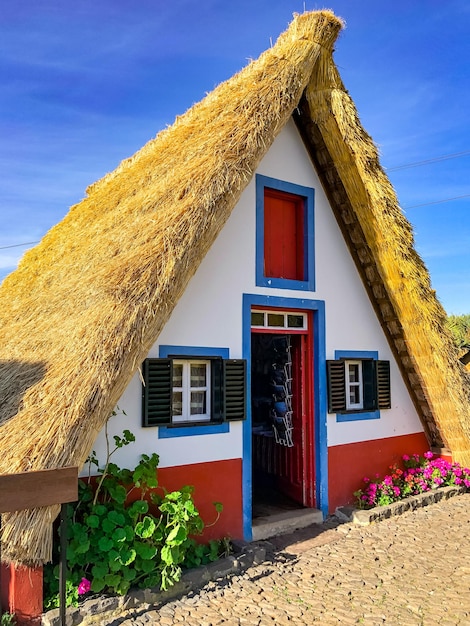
85 84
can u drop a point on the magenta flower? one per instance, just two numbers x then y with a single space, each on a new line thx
84 586
421 474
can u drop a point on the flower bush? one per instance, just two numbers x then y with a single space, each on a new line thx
116 542
417 474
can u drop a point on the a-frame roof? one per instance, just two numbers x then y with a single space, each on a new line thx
84 307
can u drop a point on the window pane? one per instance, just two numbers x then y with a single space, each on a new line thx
354 395
177 403
198 403
353 372
276 319
257 319
177 374
295 321
198 375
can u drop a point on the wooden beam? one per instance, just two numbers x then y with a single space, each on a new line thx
31 490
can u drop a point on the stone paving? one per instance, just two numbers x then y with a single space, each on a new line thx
404 571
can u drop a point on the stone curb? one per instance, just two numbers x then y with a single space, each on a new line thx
364 517
94 610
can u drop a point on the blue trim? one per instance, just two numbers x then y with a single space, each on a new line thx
165 351
319 394
357 416
170 432
356 354
309 234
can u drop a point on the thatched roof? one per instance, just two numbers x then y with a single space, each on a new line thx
84 307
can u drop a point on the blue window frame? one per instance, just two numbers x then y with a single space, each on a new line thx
358 385
170 432
306 241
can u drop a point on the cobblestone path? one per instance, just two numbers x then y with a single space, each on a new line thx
409 570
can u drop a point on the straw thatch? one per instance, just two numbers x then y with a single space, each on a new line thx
85 306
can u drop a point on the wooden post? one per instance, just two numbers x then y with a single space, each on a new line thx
63 562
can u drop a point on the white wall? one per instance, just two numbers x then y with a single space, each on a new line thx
210 314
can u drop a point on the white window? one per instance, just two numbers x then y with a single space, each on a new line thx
191 391
354 387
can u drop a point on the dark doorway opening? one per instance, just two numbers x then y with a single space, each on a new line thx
278 473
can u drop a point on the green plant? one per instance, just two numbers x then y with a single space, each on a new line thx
8 619
459 326
127 531
51 589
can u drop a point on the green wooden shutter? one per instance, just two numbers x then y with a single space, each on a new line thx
336 378
369 385
157 392
384 396
217 390
235 389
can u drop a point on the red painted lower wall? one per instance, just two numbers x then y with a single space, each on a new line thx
21 593
348 464
217 481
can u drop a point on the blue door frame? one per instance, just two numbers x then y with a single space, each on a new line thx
320 399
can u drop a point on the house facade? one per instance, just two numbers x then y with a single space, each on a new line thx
273 376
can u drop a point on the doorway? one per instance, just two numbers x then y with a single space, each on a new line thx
282 412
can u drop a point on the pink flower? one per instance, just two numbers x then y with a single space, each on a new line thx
428 455
405 457
84 586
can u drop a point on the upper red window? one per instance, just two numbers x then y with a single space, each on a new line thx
285 255
283 235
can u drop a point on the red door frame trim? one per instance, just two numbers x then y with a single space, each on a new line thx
308 418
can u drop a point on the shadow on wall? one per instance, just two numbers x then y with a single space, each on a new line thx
16 378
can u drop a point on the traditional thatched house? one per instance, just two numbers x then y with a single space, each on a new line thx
253 257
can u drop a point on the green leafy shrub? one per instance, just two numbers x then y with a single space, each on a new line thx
123 533
459 326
